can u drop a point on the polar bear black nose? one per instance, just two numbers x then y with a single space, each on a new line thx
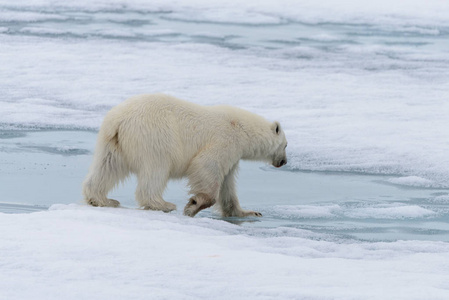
283 162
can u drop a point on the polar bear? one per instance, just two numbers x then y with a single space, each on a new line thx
159 137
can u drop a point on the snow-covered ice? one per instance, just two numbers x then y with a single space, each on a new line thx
78 252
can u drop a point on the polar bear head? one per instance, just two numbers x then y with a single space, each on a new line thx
278 156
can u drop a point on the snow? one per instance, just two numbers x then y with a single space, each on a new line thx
78 252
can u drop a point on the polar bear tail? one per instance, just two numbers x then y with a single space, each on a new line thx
107 170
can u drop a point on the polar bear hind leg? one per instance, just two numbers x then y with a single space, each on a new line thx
151 183
107 170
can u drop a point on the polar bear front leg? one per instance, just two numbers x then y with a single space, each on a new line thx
206 173
228 200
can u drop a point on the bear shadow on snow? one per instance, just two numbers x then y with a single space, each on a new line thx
158 138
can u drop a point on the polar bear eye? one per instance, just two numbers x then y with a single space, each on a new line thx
277 129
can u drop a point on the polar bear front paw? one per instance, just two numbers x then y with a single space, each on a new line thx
247 213
240 213
250 213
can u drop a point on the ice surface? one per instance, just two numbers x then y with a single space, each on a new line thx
84 253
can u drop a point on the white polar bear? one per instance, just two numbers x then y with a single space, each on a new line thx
158 137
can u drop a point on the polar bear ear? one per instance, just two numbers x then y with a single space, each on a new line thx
276 127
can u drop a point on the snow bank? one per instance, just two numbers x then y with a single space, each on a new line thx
78 252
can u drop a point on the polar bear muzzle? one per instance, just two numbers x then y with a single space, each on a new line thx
280 162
